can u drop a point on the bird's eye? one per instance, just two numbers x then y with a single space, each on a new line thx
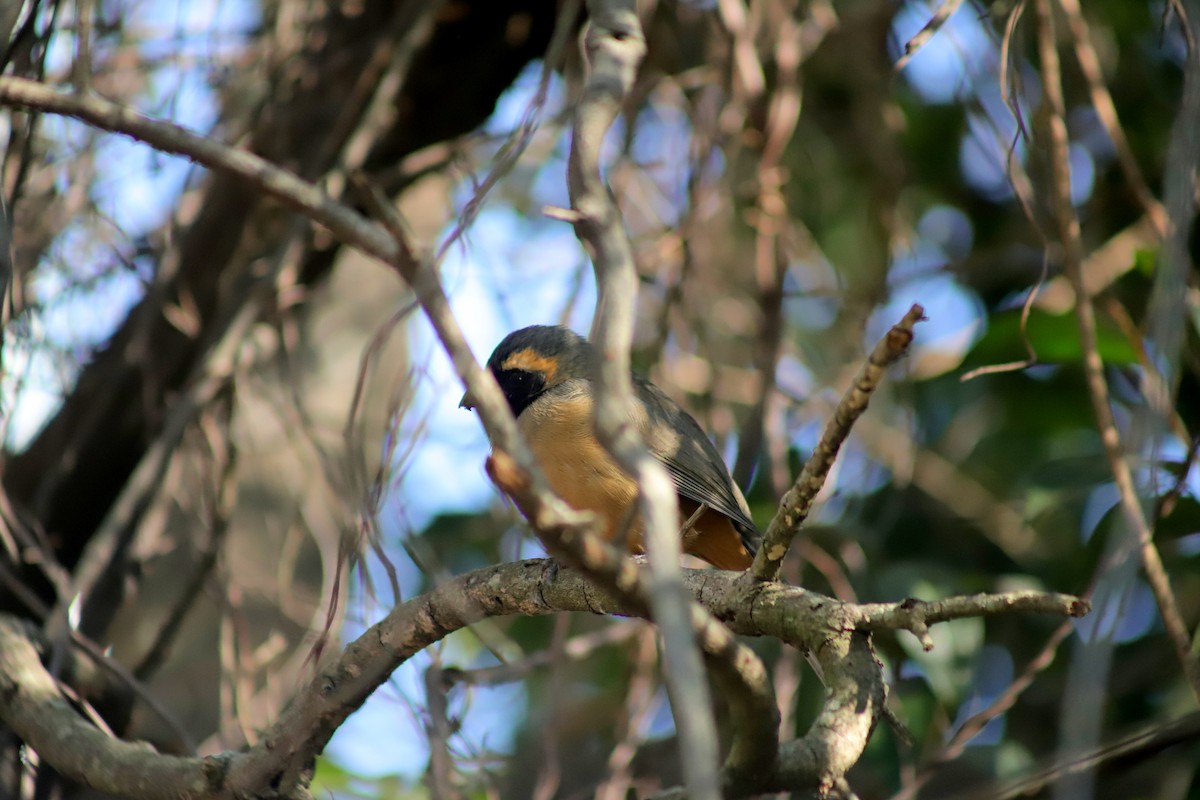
520 387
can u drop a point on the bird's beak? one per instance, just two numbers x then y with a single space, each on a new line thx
467 402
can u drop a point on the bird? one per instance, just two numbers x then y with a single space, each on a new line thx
546 373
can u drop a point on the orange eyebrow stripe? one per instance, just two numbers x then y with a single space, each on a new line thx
532 361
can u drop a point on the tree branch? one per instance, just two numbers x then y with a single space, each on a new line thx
832 632
917 615
798 501
1069 237
835 633
614 46
284 186
32 705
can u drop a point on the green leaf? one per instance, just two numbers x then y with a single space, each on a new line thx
1053 337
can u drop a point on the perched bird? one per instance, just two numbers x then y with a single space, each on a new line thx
546 375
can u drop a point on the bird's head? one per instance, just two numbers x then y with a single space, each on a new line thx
532 360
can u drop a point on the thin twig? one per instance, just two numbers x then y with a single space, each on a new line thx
218 525
692 520
1106 111
1166 503
438 730
1128 750
519 140
1068 230
799 499
639 702
771 221
927 32
1004 702
577 648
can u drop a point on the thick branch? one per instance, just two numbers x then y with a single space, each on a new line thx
835 633
32 705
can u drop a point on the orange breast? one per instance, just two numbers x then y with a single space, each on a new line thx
581 472
579 469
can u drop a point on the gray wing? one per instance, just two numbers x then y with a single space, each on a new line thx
699 472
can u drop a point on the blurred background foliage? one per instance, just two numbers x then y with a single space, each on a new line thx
234 403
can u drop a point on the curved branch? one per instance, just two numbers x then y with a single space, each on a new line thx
32 705
834 633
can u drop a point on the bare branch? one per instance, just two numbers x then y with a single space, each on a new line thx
1106 110
1128 750
799 499
968 730
927 32
277 182
32 705
1069 237
834 633
917 615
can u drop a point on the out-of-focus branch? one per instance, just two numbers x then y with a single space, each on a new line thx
277 182
771 222
927 32
32 705
799 499
1106 110
1167 315
614 46
834 632
964 733
1127 751
1069 238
